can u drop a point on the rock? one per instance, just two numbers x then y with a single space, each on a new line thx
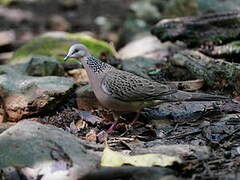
157 147
153 48
216 29
44 66
5 56
44 151
56 44
180 111
7 37
5 2
86 100
180 8
218 5
139 65
58 23
145 10
25 95
4 126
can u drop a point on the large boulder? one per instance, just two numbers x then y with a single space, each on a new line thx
45 151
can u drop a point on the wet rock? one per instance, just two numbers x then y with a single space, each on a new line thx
56 44
180 111
26 95
40 150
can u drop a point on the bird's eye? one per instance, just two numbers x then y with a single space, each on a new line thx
75 51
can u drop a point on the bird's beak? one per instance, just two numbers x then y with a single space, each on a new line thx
66 58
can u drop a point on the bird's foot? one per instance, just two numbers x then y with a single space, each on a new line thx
135 120
112 127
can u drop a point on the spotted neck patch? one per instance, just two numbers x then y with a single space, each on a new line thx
96 65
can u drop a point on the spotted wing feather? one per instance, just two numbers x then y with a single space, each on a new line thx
126 86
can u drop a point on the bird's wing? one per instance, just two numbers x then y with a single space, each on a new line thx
126 86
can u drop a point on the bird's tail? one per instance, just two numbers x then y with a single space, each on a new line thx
189 96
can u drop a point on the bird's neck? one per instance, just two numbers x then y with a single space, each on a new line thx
95 69
94 65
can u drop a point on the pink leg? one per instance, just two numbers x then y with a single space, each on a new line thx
135 120
116 120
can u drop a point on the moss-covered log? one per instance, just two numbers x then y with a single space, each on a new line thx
217 73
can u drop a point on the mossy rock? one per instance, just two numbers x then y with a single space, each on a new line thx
5 2
180 8
57 44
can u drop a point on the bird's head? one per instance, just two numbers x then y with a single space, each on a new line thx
77 51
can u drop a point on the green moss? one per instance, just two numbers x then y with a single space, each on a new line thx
5 2
58 47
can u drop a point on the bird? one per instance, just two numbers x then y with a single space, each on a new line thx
122 91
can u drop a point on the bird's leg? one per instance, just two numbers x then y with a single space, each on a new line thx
116 118
135 120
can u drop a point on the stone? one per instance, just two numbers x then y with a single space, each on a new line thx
139 66
7 37
180 8
58 23
26 95
44 66
180 111
218 5
145 10
45 150
153 48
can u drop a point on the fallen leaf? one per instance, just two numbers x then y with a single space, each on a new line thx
91 136
89 117
102 136
81 124
113 159
73 128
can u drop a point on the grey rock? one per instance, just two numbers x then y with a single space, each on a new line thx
139 66
153 48
44 66
180 111
26 95
33 145
218 5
